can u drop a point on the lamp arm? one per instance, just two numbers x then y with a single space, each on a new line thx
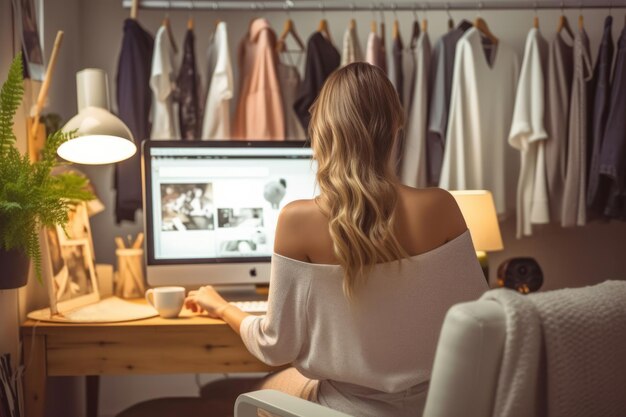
43 93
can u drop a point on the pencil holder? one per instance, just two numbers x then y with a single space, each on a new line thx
129 282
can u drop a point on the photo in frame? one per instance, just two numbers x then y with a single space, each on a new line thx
69 270
77 228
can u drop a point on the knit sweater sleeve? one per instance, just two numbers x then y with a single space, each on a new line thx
277 338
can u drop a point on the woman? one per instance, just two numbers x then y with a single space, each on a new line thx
363 274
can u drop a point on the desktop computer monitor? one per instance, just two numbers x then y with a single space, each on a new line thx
211 207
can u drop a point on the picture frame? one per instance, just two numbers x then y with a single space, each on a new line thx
78 227
26 18
68 263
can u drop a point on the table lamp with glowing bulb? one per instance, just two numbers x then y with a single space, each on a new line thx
480 216
101 137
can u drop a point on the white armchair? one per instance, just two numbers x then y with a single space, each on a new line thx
280 404
464 375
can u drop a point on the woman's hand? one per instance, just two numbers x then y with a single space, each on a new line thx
207 299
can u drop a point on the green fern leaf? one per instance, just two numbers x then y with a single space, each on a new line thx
10 99
30 197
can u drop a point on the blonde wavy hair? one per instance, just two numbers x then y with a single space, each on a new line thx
354 124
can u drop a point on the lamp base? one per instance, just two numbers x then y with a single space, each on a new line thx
484 263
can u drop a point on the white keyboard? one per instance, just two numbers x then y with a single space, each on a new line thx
251 306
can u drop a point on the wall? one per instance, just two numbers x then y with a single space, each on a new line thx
15 303
569 257
100 47
8 298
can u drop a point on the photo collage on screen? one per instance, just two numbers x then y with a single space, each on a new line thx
230 228
223 207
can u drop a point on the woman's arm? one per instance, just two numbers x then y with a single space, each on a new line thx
277 337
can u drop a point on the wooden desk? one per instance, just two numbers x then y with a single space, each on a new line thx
188 344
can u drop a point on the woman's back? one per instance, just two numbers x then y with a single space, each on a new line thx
372 354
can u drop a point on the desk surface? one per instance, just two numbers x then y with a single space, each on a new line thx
189 343
186 318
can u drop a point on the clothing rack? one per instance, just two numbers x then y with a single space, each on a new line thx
323 6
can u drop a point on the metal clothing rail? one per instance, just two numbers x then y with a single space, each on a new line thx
358 5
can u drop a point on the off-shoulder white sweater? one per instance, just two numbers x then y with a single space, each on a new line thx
373 356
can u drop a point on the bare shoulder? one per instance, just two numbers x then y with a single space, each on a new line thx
438 206
433 197
294 224
297 211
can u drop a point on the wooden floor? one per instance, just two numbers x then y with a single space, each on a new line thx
217 399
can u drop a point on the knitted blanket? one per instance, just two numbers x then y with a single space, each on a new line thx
565 352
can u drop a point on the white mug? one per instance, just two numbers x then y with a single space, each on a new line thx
168 301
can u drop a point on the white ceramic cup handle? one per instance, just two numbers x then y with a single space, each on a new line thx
150 297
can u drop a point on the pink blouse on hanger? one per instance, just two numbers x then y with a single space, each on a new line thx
260 114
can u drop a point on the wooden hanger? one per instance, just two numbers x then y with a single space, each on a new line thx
133 9
564 24
481 25
374 27
352 24
289 29
581 23
425 19
322 28
536 22
190 22
395 29
382 29
415 34
450 19
170 34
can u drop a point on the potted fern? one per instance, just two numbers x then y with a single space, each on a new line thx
30 196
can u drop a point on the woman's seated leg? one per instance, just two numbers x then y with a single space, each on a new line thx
291 382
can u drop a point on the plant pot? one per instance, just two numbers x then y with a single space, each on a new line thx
14 265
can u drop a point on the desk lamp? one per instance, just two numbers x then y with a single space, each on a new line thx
479 212
101 137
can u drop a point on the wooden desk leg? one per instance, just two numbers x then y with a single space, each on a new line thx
34 375
93 385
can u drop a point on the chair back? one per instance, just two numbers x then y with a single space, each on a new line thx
467 361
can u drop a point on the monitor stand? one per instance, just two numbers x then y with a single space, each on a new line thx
262 289
249 292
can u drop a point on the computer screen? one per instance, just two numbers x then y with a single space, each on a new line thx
211 207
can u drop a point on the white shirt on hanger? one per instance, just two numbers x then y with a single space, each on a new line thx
481 108
373 54
528 135
413 172
163 84
351 48
216 121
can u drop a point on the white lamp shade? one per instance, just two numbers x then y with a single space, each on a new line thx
102 138
480 216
